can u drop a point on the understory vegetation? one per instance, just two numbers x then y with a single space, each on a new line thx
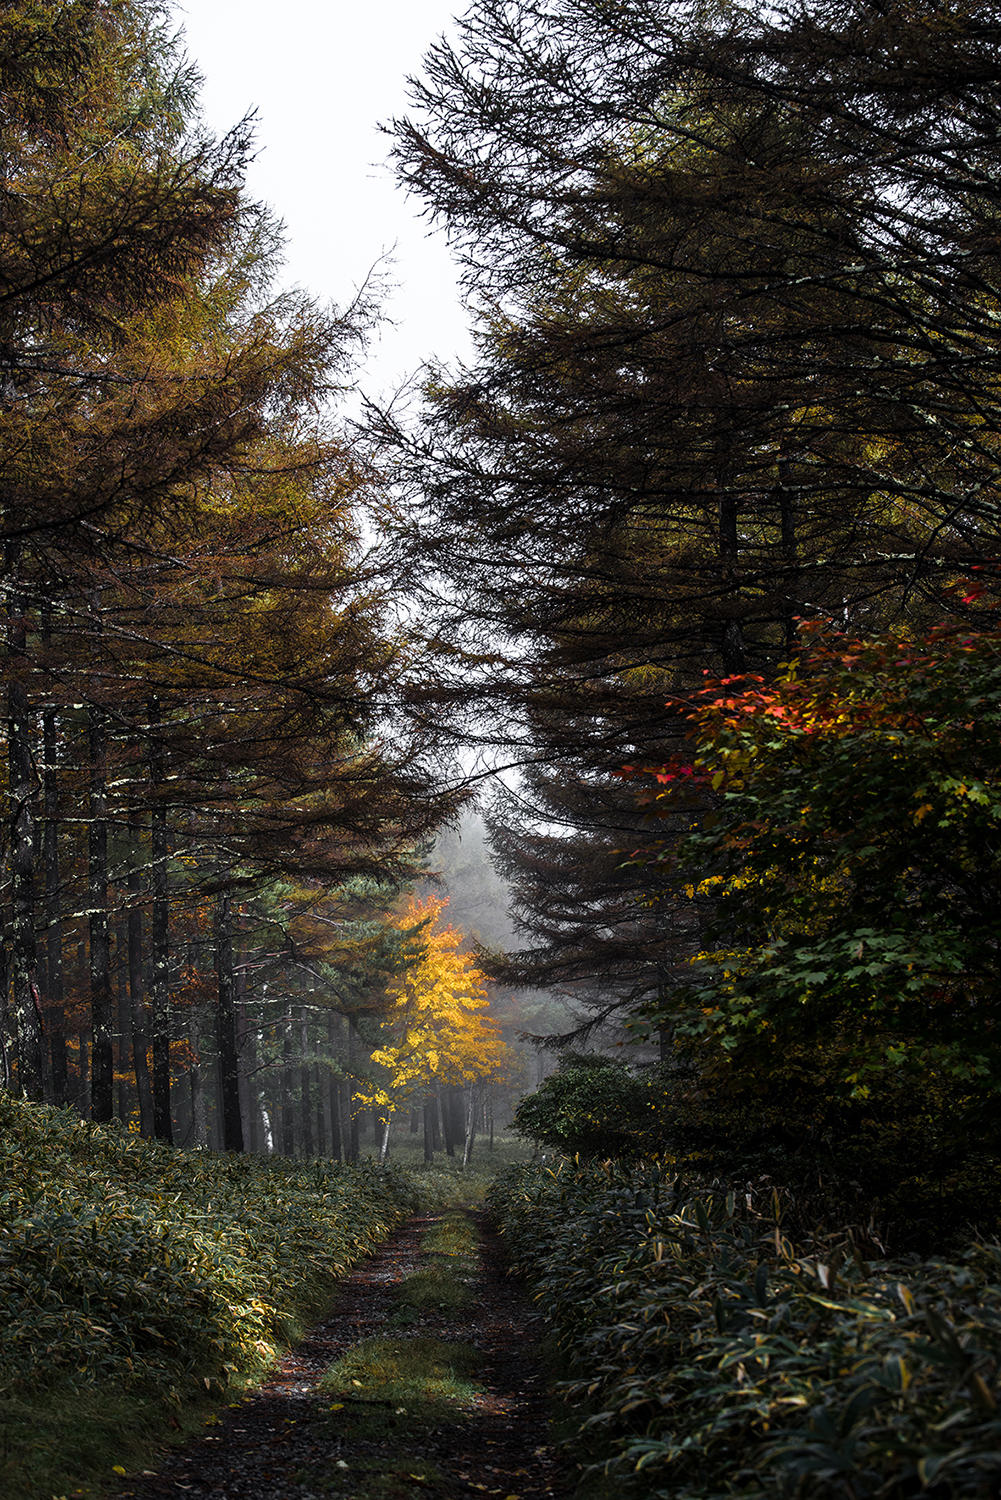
707 1356
136 1280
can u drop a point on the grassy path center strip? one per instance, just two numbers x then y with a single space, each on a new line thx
419 1384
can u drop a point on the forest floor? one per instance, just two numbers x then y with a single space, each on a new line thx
421 1381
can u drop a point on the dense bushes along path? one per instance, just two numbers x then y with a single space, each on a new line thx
416 1384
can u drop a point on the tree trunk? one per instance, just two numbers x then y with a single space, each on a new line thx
734 652
288 1113
267 1133
470 1128
453 1117
160 935
246 1041
21 792
123 1021
320 1098
334 1089
305 1106
54 988
441 1115
787 514
6 1075
137 1002
199 1118
352 1142
83 1095
384 1144
428 1132
229 1054
102 1025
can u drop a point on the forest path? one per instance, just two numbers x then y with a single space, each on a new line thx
450 1403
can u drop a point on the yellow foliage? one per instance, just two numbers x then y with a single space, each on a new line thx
437 1030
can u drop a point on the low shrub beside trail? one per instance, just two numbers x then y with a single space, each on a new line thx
706 1358
134 1276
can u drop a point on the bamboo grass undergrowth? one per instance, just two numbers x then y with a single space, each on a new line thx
139 1283
704 1355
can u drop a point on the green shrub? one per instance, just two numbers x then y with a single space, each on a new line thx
711 1360
149 1275
591 1106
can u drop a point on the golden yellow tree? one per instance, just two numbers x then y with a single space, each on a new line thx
437 1031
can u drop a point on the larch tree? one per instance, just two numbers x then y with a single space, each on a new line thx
196 633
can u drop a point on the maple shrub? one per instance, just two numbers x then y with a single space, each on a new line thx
849 873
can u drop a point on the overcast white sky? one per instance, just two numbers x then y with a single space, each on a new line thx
323 75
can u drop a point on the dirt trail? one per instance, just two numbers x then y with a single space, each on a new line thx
289 1440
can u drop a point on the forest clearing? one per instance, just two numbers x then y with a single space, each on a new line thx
499 880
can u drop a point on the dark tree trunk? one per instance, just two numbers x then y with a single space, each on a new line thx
305 1105
787 513
137 1003
160 935
21 787
83 1095
123 1021
250 1112
353 1142
54 989
288 1109
229 1054
441 1122
336 1119
454 1122
734 653
320 1096
6 1075
102 1025
199 1117
334 1089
